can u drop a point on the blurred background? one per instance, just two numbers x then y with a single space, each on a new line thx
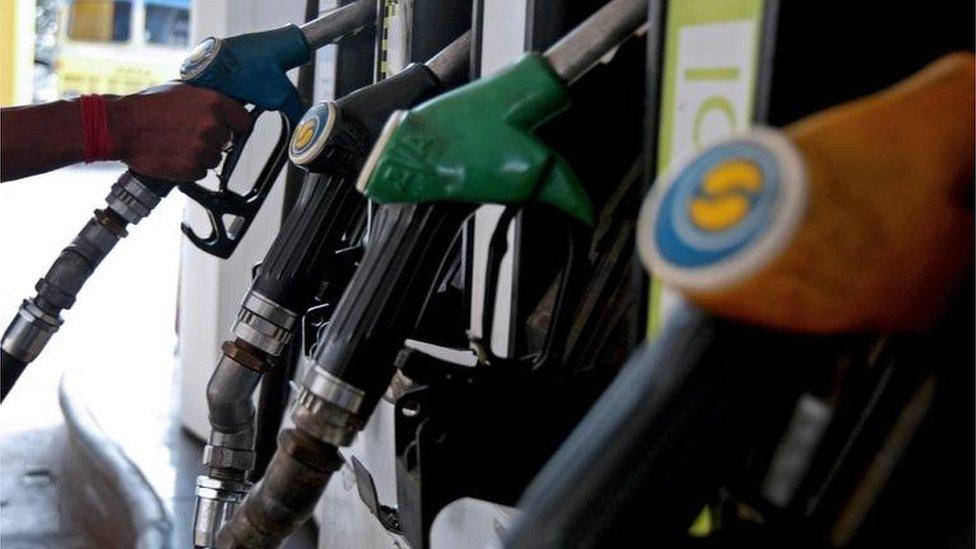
66 48
118 351
118 342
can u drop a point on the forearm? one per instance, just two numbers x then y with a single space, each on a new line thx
38 138
172 131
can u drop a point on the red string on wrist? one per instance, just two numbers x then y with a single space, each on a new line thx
94 125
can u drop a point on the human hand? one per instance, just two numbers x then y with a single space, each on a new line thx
174 131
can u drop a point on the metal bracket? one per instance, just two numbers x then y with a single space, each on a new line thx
387 515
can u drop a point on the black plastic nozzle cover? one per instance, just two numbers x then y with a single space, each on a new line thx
300 256
382 303
378 309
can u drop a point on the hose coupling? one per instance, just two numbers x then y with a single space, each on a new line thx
131 199
29 332
328 408
285 497
217 499
222 457
264 324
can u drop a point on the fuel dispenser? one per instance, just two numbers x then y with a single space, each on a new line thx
788 438
459 292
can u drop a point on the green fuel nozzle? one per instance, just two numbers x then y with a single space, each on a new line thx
476 144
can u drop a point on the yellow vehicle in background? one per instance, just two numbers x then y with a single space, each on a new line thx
120 46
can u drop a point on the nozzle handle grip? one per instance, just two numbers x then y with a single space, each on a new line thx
407 244
229 213
252 69
303 252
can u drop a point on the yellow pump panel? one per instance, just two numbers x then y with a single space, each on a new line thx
16 51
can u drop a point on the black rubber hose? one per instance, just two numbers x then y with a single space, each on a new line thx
77 262
10 370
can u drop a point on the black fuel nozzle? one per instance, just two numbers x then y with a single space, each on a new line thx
332 142
328 219
353 363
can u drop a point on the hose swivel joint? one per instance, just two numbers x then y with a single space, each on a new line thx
131 199
264 324
328 408
29 332
217 499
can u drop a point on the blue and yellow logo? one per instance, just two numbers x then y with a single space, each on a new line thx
304 133
726 195
718 204
307 140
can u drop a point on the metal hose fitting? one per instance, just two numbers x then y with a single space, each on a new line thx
128 202
328 408
217 499
327 415
264 324
263 329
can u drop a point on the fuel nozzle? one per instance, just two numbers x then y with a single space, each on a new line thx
425 155
330 142
429 173
853 219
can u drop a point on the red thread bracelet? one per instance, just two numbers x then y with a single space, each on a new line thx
94 125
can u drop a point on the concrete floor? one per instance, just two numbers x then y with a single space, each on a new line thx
118 341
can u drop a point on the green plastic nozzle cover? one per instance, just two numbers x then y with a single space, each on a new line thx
475 144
